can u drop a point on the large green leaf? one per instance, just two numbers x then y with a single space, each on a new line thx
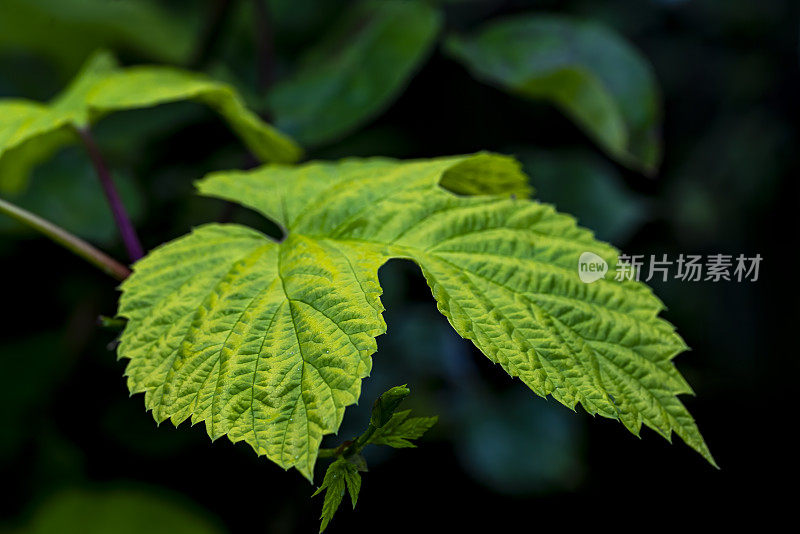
31 132
588 71
356 71
69 30
267 341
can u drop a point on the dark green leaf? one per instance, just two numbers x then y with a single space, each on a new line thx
386 404
353 479
69 30
585 69
400 429
355 71
340 474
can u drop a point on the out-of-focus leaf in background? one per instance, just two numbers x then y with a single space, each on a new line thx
583 184
121 511
142 87
31 131
355 71
66 192
587 70
66 31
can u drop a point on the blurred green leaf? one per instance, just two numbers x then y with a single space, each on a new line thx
583 184
356 70
119 511
30 131
585 69
65 191
69 30
140 87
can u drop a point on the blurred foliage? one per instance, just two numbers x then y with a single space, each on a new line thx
67 181
355 71
67 31
582 183
582 67
121 511
31 132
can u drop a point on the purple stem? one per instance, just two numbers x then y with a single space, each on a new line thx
126 230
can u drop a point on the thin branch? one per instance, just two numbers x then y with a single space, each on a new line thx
71 242
126 230
328 453
334 452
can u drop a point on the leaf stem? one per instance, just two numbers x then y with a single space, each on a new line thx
69 241
328 453
111 323
126 230
332 453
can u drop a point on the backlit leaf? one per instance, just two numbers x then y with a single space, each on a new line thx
267 341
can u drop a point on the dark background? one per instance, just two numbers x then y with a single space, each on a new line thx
728 70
